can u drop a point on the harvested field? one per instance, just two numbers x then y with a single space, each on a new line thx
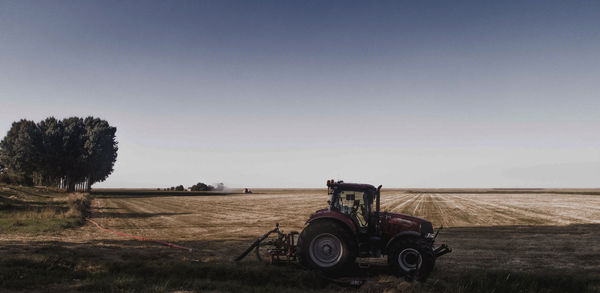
530 232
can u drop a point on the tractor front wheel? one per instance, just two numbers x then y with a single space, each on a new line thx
326 246
411 258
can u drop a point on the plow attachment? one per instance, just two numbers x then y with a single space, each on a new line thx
283 247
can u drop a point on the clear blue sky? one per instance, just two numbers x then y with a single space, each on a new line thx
291 93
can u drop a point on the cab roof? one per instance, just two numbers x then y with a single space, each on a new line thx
340 185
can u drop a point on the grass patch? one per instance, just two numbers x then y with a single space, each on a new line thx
513 282
63 268
149 276
152 276
33 210
79 205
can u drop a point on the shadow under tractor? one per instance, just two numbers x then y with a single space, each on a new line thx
351 227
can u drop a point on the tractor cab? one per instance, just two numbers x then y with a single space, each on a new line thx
355 201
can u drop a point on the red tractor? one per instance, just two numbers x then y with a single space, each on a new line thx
351 227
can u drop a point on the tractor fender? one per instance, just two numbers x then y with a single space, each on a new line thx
337 217
400 236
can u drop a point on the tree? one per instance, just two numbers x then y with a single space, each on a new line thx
100 149
201 187
74 158
52 162
20 150
179 188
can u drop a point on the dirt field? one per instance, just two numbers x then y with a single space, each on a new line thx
535 224
527 232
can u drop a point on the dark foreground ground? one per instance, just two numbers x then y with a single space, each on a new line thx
128 265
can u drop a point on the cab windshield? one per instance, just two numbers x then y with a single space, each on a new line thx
352 203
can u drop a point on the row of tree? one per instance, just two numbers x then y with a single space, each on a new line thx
203 187
175 188
73 153
198 187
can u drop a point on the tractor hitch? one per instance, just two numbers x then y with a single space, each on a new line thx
281 248
443 249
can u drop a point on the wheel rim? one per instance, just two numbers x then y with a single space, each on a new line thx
326 250
409 259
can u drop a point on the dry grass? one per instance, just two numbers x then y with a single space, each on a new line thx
237 217
44 214
31 210
79 205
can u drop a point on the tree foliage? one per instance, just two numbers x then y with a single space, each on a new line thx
19 150
204 187
65 153
100 149
201 187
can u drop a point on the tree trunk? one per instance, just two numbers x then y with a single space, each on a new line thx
88 184
70 185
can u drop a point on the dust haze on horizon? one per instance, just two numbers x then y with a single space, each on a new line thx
292 93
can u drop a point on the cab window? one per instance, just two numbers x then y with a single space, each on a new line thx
353 203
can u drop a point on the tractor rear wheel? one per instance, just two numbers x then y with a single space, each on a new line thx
411 258
326 246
